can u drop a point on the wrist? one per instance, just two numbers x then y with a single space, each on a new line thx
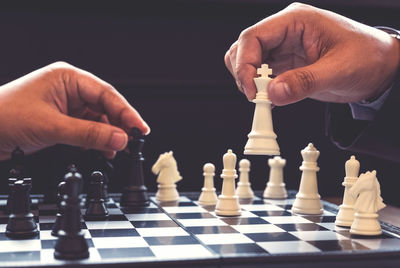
392 62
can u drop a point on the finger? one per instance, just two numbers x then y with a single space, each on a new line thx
255 43
94 92
230 62
88 134
300 83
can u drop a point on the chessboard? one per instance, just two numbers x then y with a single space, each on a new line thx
183 233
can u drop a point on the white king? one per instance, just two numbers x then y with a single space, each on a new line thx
262 139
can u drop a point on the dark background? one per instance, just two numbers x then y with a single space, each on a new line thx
166 58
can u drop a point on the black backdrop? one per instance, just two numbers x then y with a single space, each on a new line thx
166 58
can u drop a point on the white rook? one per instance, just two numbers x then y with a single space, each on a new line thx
346 212
262 139
308 201
276 187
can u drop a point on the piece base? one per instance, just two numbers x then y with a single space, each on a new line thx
22 235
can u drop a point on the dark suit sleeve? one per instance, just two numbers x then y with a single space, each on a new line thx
380 137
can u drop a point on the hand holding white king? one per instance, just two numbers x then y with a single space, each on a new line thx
262 139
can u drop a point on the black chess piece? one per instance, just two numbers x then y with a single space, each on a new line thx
135 193
21 222
103 165
96 209
71 243
11 182
58 224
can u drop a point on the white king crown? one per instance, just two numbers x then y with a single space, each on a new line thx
352 167
310 153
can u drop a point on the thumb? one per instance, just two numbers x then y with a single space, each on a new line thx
90 134
297 84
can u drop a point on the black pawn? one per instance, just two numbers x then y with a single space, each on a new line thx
135 193
96 209
59 216
71 243
21 222
102 164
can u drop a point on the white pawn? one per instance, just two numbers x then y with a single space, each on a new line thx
228 201
345 215
168 175
276 187
308 201
369 201
243 189
208 197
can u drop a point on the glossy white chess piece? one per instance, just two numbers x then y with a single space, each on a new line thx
275 188
243 189
367 190
228 201
308 201
208 196
168 175
346 212
262 138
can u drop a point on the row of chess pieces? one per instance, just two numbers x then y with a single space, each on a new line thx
70 243
361 201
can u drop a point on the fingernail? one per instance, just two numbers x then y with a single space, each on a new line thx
279 92
118 141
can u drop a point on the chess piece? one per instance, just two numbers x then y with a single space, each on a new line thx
208 197
262 139
11 182
168 175
243 189
346 212
308 201
21 222
367 192
228 201
105 166
96 209
135 193
71 243
275 186
59 216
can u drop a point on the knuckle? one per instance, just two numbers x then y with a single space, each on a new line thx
91 136
306 80
247 33
298 6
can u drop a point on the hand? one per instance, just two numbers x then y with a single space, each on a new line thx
316 54
61 104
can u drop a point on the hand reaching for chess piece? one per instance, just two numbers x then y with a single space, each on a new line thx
63 104
316 54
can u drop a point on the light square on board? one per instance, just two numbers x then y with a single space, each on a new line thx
177 251
280 247
285 219
219 239
318 235
162 231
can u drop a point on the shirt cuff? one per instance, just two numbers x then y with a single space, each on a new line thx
367 110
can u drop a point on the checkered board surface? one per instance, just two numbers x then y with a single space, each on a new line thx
185 233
